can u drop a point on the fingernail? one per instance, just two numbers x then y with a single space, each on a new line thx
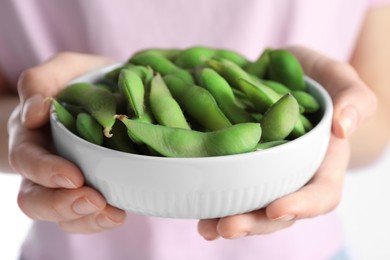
32 104
348 120
63 181
84 206
106 222
239 235
285 218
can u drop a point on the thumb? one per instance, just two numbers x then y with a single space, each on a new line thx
353 101
47 79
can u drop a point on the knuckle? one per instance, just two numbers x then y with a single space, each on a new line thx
23 202
12 159
65 55
31 76
59 204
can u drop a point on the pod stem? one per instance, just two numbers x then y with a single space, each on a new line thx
120 117
107 132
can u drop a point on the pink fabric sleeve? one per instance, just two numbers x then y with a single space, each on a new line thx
376 3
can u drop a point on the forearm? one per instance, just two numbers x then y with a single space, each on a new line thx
371 60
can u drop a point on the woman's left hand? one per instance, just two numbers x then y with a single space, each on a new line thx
353 103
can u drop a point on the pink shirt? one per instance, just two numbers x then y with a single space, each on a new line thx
32 31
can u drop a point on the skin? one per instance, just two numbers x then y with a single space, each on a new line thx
66 202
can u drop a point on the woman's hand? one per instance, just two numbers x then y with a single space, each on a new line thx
53 188
353 103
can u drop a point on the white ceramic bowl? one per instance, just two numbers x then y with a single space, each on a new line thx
197 188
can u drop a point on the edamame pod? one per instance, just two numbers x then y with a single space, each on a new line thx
307 124
101 104
73 94
194 56
168 53
113 75
165 108
121 104
120 141
230 71
233 56
260 95
280 119
64 116
198 103
307 101
132 88
73 109
176 142
176 86
267 145
223 94
298 130
161 65
89 129
277 87
286 69
260 66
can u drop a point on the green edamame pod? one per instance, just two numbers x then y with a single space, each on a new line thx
277 87
223 94
307 124
194 56
260 95
267 145
161 65
286 69
64 116
101 104
198 103
121 103
176 86
120 141
89 129
307 101
169 53
73 109
164 107
113 75
279 120
132 88
230 71
260 66
231 55
73 94
176 142
103 86
298 130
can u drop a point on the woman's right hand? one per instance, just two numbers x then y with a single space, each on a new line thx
53 188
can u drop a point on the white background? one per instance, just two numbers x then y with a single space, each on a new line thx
365 210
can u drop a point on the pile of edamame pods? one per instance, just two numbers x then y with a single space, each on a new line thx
193 102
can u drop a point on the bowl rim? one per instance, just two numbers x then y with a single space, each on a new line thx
96 74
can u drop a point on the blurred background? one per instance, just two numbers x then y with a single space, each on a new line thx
365 211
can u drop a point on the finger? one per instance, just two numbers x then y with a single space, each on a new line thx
40 203
237 226
29 157
110 217
47 79
353 101
207 228
322 194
